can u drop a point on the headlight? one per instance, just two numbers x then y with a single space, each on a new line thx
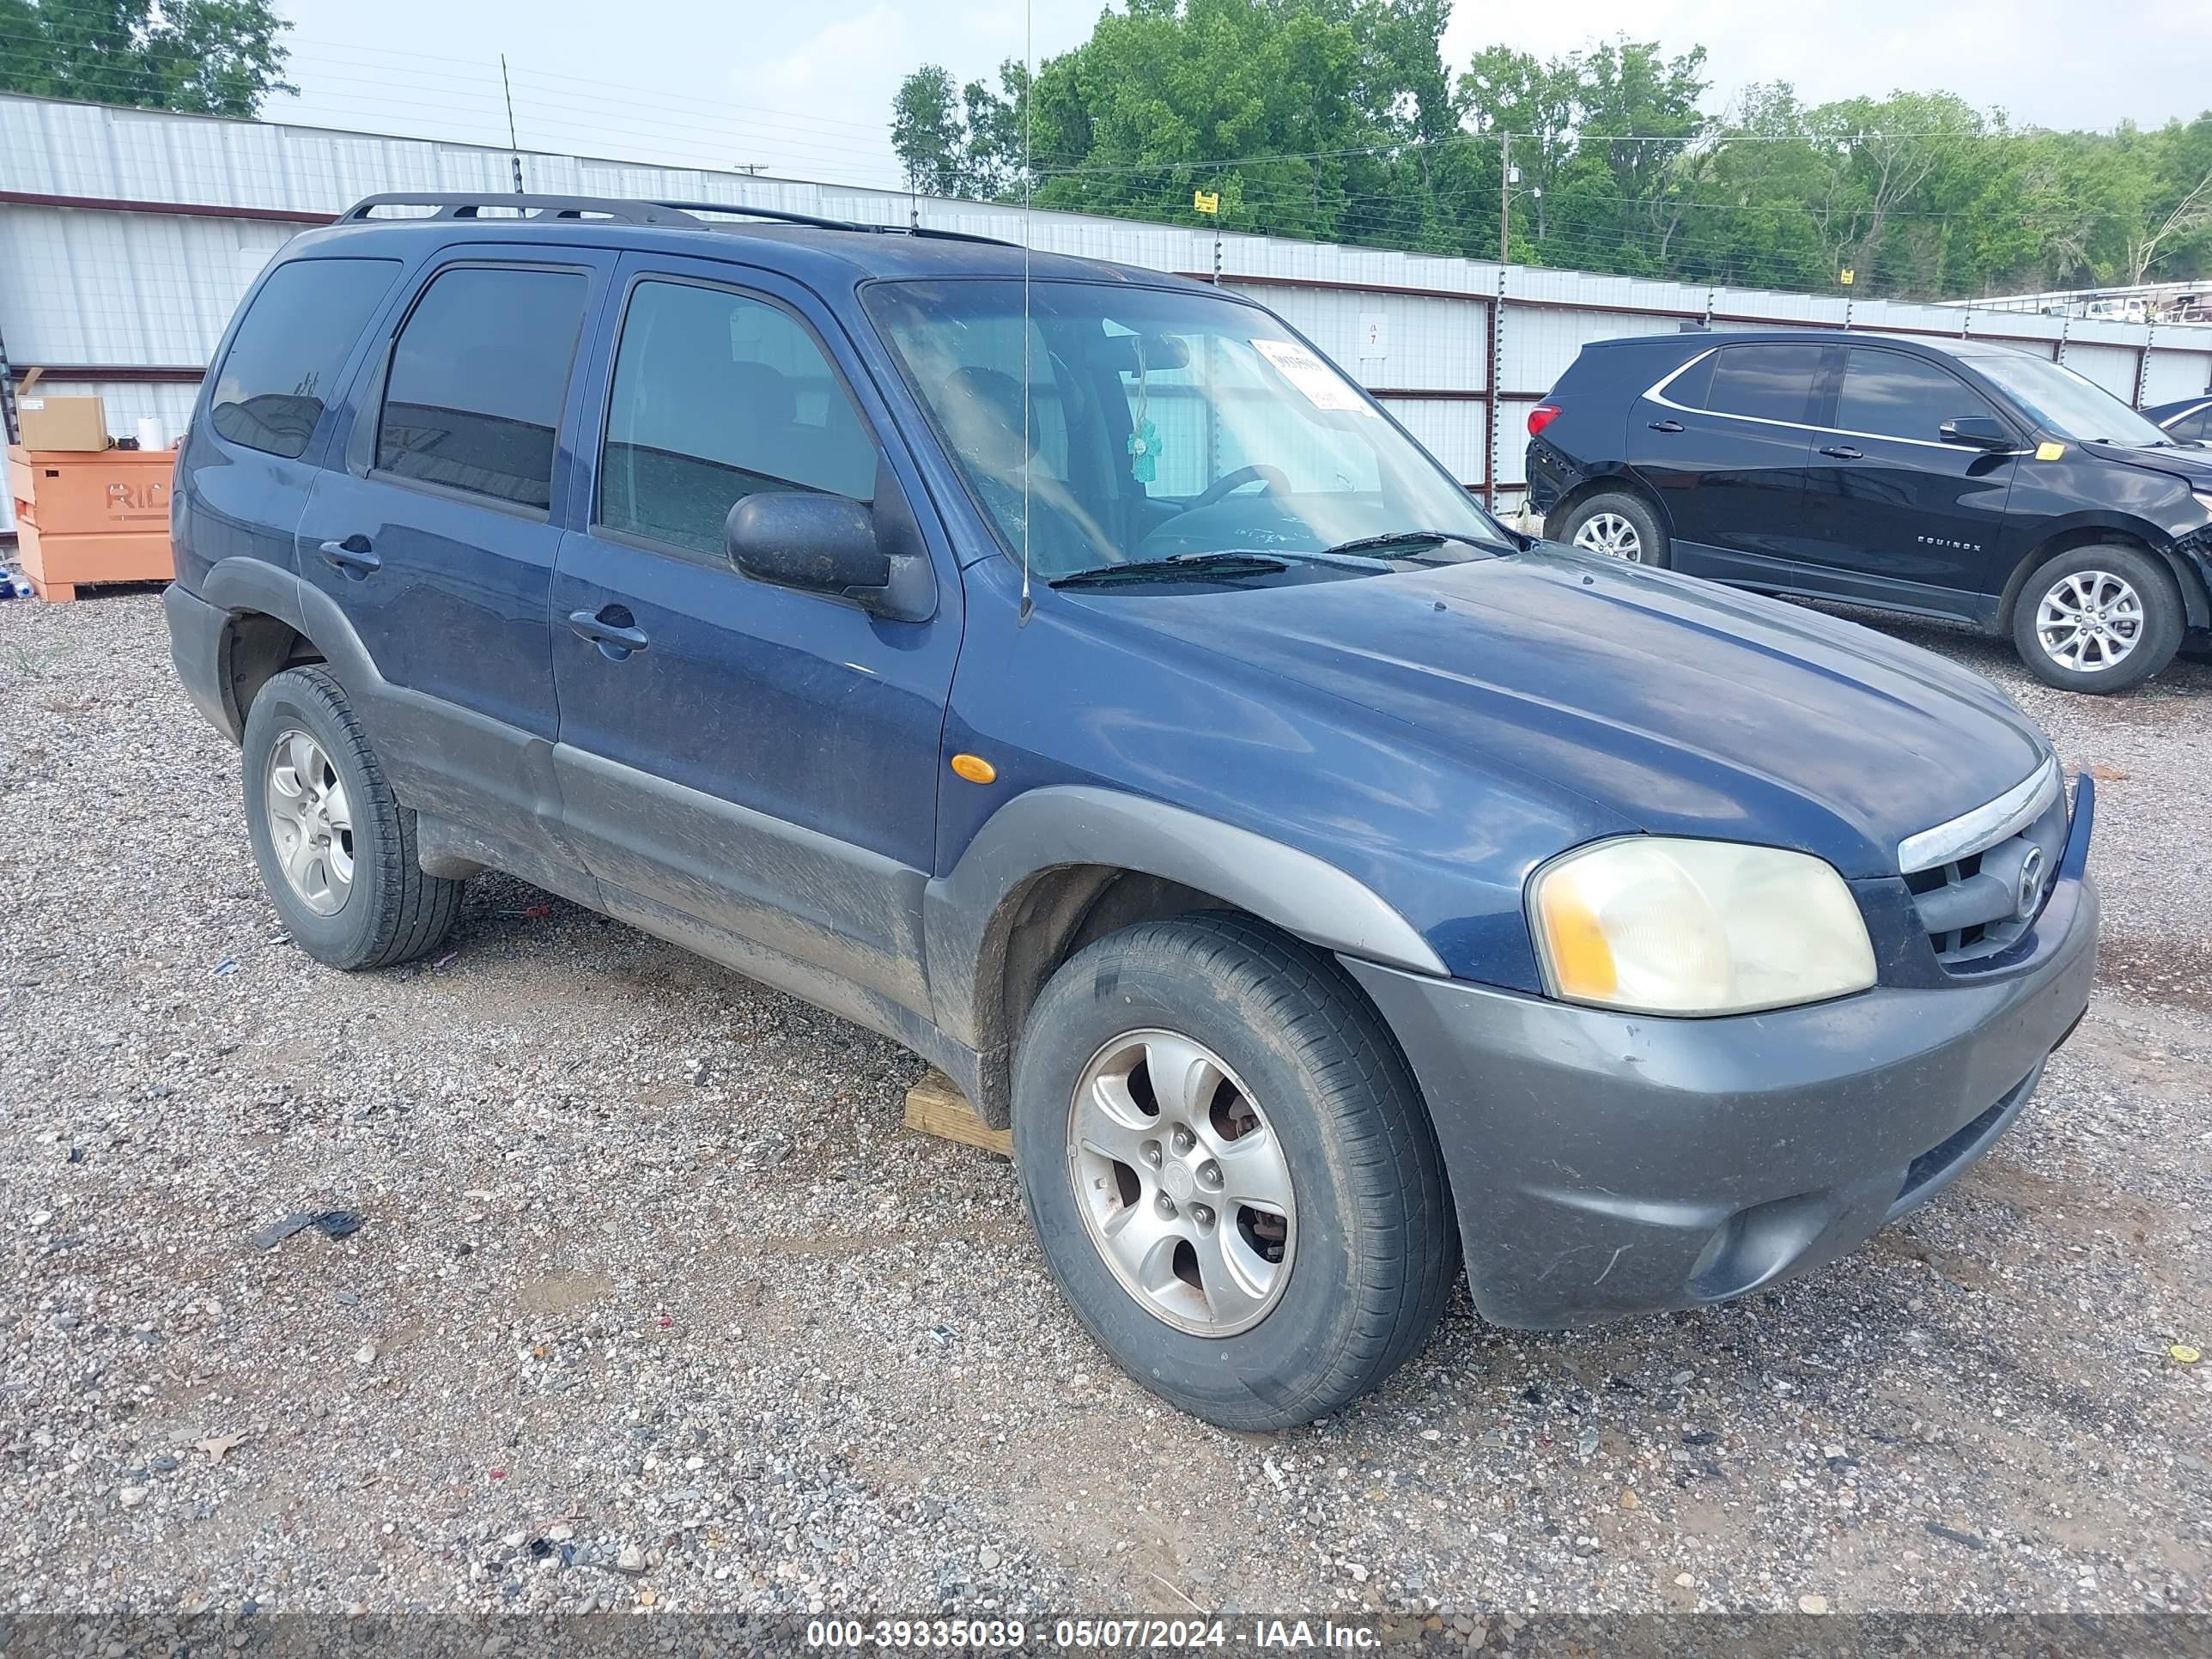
1662 927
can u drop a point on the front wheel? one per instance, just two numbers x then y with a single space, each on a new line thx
1230 1170
2098 619
1619 525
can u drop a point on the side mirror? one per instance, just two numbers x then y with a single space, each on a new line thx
822 543
1976 432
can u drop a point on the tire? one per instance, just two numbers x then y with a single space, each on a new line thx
2131 585
362 902
1617 525
1369 1247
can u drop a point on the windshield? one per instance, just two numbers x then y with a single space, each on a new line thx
2066 404
1161 424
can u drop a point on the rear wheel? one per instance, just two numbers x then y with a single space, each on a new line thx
1230 1170
2098 619
1619 525
337 851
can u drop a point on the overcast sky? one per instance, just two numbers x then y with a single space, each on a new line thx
802 88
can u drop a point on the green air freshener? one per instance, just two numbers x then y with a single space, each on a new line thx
1145 453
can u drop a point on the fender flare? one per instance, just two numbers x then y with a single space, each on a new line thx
238 585
967 916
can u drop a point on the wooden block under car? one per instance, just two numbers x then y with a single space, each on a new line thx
88 516
934 1107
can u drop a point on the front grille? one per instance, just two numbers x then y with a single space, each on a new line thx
1971 905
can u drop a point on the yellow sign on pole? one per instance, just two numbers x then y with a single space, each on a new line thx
1207 201
1846 275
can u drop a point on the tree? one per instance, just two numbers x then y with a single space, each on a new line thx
928 132
1338 120
203 57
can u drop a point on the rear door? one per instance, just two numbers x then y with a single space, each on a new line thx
249 466
746 766
436 535
1724 439
1899 516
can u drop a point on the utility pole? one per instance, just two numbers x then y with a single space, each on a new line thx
1505 195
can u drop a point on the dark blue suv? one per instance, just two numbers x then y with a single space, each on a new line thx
1066 670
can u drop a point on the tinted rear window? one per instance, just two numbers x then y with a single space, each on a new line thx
1771 382
283 366
479 376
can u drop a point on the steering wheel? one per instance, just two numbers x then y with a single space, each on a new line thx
1277 482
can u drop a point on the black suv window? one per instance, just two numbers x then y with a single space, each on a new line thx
1891 395
277 378
718 396
473 400
1771 382
2191 428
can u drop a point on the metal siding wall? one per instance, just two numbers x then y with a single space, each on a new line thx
1429 344
1456 433
2173 375
2111 367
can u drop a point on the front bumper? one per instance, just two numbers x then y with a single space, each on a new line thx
1605 1164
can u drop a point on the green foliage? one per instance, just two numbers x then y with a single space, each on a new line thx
1338 120
203 57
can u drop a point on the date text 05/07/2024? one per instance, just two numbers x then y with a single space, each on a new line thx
1091 1634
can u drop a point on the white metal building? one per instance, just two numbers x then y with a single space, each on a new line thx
128 236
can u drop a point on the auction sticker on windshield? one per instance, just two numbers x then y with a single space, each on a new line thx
1322 386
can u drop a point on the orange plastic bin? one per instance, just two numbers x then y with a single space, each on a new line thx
87 516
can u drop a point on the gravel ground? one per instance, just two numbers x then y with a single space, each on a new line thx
652 1303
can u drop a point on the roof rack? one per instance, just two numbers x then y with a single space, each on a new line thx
472 205
784 216
578 209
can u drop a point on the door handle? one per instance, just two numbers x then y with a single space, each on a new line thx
611 628
352 556
1666 426
1843 452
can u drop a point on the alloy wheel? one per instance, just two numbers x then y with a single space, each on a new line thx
310 822
2089 620
1181 1184
1611 534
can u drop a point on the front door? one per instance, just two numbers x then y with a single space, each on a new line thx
1724 440
1896 515
750 767
437 536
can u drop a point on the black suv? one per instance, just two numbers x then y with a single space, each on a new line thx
1961 480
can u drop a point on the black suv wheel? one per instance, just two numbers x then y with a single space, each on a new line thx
337 851
2098 619
1230 1171
1618 523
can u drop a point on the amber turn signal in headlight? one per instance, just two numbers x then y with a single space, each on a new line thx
1652 925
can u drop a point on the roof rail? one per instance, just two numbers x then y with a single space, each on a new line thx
472 205
783 216
579 209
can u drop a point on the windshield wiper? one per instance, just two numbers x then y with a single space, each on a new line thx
1204 567
1399 538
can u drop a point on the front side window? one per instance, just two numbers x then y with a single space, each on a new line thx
1766 382
717 396
1891 395
479 376
282 369
1154 423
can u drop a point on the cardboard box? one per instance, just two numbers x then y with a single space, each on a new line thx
47 422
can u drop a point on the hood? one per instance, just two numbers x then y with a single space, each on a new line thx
1679 706
2192 467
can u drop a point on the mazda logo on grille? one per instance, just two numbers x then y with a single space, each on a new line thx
2031 884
